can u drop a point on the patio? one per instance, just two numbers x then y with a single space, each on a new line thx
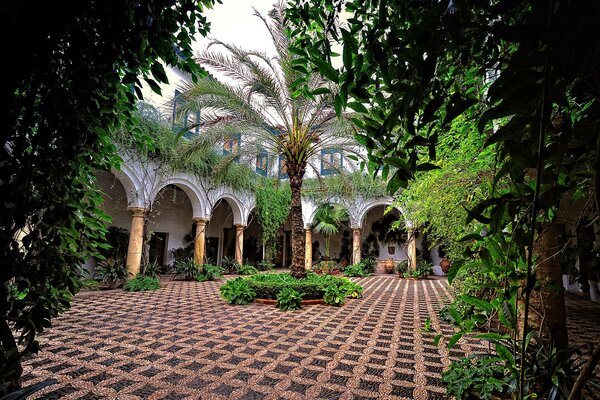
184 342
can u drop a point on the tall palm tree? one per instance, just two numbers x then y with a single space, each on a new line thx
255 97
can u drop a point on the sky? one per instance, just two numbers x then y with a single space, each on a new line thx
234 22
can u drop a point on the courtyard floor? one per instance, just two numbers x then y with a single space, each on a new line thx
184 342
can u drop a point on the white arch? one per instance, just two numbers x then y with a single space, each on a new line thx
240 207
191 190
132 185
367 206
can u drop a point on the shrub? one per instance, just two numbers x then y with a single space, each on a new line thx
352 289
151 269
112 271
356 270
267 286
289 299
326 267
334 295
247 270
210 273
237 291
402 267
424 268
480 374
186 270
142 283
369 264
89 284
183 253
230 266
265 266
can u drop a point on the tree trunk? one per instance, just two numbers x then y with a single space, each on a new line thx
298 270
547 312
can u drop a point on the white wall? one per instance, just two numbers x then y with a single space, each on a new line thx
172 213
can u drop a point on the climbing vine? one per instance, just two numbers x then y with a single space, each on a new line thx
343 185
273 200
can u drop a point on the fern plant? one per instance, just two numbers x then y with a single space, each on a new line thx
186 270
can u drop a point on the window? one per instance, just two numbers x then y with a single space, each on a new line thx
331 161
232 145
262 163
282 168
181 122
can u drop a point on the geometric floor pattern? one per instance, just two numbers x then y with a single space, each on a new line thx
184 342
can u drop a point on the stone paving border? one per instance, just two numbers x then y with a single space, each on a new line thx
184 342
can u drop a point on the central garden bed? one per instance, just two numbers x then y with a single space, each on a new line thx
288 292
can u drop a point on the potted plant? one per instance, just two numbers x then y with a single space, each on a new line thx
389 266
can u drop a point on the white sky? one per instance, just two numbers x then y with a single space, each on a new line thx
234 22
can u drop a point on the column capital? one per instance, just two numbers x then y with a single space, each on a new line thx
357 229
239 226
137 211
201 221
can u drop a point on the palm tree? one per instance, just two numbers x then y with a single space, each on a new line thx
256 98
327 221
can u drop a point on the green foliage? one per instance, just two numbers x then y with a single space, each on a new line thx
369 264
347 185
89 284
118 240
151 268
352 289
326 267
229 265
265 266
273 200
334 295
248 270
183 253
328 220
289 299
357 270
424 268
142 283
186 270
210 273
237 291
112 271
483 375
402 267
75 73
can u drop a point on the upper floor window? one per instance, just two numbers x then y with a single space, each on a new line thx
181 121
262 163
231 146
282 168
332 161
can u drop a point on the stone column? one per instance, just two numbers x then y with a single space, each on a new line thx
356 233
239 243
412 248
200 240
308 249
136 241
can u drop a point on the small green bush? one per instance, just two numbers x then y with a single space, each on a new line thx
356 270
369 264
230 266
237 291
212 272
402 267
289 299
89 284
425 268
352 289
151 269
265 266
268 286
112 271
248 270
186 270
142 283
480 374
334 295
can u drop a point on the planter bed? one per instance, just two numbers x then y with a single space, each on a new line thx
309 302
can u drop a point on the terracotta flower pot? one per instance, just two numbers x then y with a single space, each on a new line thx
445 265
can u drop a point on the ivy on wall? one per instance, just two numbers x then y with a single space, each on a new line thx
273 200
343 185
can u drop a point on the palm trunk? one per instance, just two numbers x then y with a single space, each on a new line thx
547 303
298 270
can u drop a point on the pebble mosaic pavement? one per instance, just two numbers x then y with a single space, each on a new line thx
184 342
